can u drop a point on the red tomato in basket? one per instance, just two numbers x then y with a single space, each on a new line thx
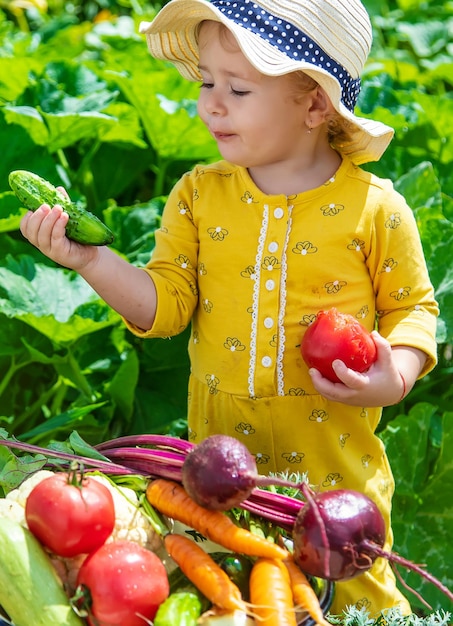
126 583
334 335
70 515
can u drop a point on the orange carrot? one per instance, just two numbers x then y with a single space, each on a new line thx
204 573
271 597
172 500
304 595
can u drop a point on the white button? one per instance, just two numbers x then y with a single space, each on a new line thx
270 284
273 246
266 361
278 213
268 322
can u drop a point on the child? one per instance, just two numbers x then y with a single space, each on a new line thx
252 247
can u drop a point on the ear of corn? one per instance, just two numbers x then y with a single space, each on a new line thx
83 227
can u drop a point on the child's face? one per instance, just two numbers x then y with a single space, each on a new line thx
255 119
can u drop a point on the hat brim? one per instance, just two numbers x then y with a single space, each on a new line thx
172 36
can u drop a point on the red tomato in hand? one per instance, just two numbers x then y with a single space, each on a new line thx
126 584
334 335
70 516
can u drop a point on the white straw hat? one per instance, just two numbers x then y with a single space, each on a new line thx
327 39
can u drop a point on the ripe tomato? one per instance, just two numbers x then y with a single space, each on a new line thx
126 584
70 514
334 335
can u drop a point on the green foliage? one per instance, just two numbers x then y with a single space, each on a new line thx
84 105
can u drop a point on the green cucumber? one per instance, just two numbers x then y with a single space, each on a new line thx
30 591
82 227
182 608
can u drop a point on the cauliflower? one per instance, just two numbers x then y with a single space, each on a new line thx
13 505
130 522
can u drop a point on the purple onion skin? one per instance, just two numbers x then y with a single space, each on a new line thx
349 520
219 473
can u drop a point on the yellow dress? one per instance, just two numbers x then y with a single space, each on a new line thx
250 272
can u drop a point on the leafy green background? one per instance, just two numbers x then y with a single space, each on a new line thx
83 104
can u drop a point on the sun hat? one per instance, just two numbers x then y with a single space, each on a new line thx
327 39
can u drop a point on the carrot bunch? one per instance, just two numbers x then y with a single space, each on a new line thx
278 588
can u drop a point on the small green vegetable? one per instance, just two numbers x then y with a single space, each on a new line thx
179 583
238 567
83 227
30 591
182 608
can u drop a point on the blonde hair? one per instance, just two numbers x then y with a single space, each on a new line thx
339 129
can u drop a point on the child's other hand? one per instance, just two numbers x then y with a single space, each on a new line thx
45 228
381 385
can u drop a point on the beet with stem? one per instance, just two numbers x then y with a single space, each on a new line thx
220 473
339 534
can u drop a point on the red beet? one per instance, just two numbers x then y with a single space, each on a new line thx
339 534
332 534
219 473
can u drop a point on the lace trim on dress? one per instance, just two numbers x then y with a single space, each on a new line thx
282 309
256 293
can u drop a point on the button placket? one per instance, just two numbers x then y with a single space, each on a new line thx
268 309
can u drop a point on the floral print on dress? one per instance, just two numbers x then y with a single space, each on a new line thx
270 263
293 457
332 479
393 221
357 245
183 262
388 266
304 247
363 312
363 603
335 286
248 198
365 460
261 458
212 381
401 293
244 429
318 415
233 344
296 391
202 269
249 272
184 210
343 439
207 305
217 233
332 209
308 319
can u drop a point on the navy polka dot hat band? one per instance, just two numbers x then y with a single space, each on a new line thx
291 40
327 39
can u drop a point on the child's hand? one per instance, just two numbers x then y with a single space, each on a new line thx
45 228
381 385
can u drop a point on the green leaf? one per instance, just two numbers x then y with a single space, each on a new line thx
56 302
426 38
166 105
10 212
422 505
31 121
61 423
